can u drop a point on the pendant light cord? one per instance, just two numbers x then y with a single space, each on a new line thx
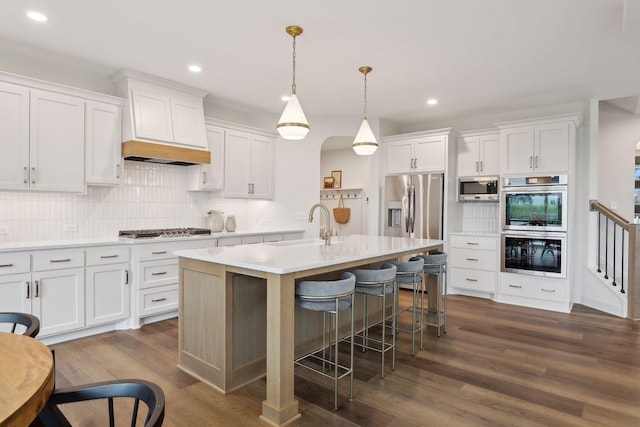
293 85
365 95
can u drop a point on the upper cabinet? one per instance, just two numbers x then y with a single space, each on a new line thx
479 153
103 137
162 111
209 177
538 146
416 152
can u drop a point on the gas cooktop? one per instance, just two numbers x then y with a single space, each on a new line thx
163 232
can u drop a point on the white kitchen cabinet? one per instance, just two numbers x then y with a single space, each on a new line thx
473 263
248 165
478 153
161 111
209 177
103 137
107 284
14 137
418 152
538 146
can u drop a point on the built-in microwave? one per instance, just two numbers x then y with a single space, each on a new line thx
478 189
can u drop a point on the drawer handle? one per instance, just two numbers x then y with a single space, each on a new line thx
159 299
473 243
160 273
60 260
515 286
108 256
158 252
471 280
547 290
472 259
6 265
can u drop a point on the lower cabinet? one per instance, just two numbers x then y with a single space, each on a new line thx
535 291
473 263
107 285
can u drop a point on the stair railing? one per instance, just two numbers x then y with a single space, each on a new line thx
618 248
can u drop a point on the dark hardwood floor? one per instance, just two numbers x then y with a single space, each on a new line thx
498 365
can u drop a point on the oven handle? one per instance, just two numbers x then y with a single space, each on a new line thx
560 235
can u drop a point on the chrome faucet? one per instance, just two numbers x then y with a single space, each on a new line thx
324 234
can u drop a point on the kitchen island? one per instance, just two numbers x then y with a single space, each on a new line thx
237 311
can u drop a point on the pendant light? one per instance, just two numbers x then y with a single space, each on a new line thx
293 123
365 143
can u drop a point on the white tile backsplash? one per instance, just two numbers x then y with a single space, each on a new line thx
150 196
481 217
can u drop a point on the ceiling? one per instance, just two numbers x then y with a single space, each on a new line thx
474 56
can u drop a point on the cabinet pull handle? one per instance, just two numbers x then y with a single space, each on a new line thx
515 286
547 290
253 188
159 299
28 290
26 175
60 260
118 171
477 166
158 252
160 273
204 177
33 175
530 161
6 265
471 280
473 243
126 277
108 256
481 166
37 293
535 164
248 188
415 163
472 259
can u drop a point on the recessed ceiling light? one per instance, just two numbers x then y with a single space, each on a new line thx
432 101
195 68
285 98
37 16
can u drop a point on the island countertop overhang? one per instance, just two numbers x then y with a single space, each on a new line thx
299 255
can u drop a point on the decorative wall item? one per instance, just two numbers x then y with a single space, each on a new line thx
328 182
337 179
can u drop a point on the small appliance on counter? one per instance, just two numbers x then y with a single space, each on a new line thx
215 221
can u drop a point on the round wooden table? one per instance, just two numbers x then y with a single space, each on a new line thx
26 378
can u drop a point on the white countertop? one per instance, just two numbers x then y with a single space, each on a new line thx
71 243
299 255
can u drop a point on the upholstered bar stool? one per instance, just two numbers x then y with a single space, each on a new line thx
435 263
379 283
411 273
329 297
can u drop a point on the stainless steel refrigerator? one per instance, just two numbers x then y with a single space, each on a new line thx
413 206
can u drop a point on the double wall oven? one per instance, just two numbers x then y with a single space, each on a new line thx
534 225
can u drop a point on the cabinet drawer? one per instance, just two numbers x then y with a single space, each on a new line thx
270 238
250 240
543 288
474 259
14 263
474 280
158 300
151 252
107 255
473 242
158 273
230 241
57 260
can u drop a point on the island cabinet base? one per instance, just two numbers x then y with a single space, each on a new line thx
222 332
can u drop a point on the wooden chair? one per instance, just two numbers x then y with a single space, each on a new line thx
29 322
148 392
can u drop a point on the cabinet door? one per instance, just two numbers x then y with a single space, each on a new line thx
262 167
107 297
489 150
468 156
211 176
14 137
15 293
103 136
430 154
58 300
516 145
57 142
398 157
187 114
237 164
152 115
551 148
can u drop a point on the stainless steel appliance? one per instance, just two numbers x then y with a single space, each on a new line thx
478 189
534 203
163 233
413 206
540 254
